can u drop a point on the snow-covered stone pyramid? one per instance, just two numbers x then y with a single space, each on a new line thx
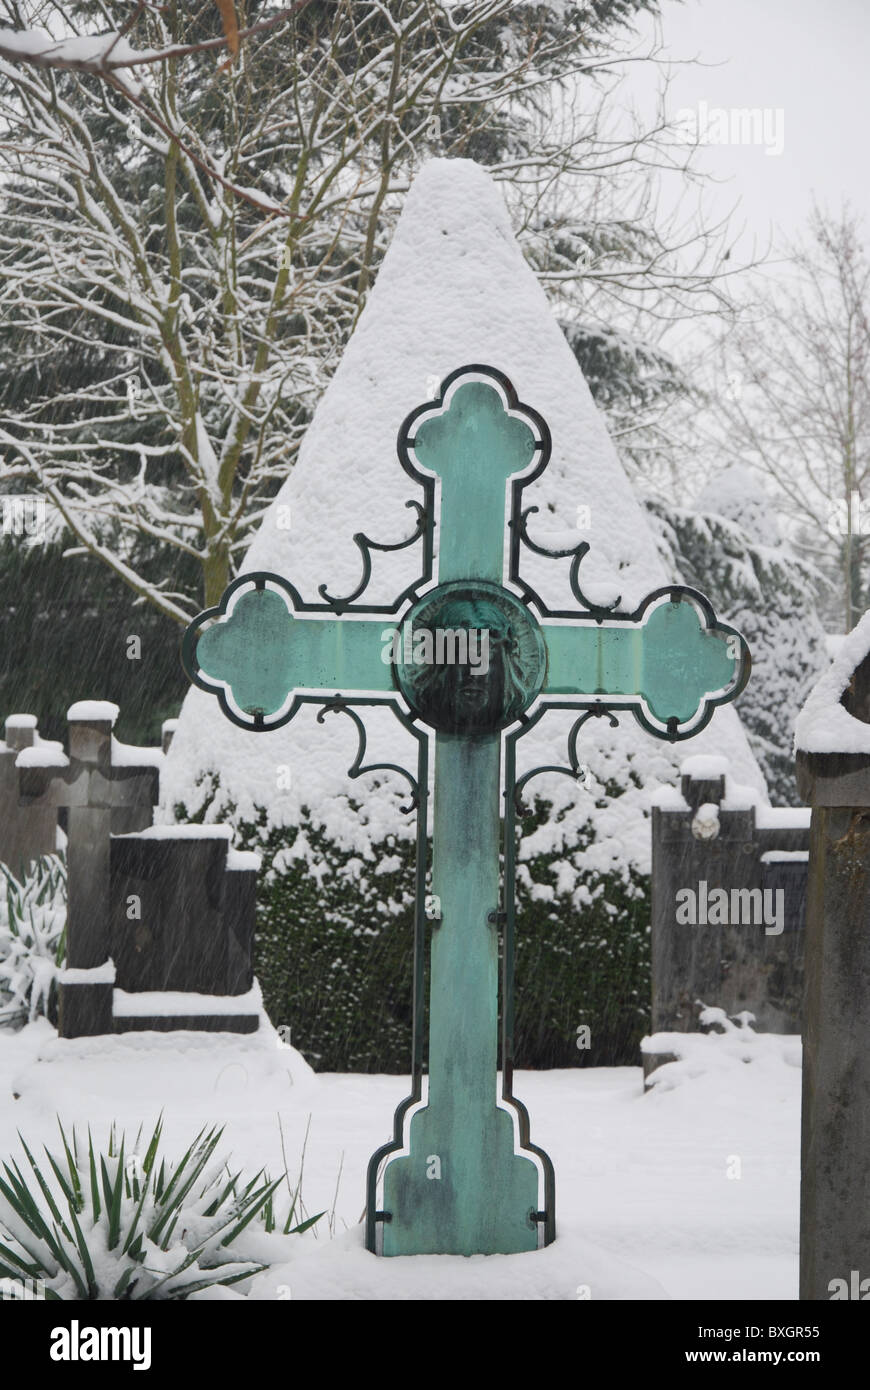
454 288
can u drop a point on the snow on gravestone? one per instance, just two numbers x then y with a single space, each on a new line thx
453 288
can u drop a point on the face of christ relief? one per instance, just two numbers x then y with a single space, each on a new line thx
500 665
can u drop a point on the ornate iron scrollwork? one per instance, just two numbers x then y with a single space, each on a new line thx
575 769
596 610
366 545
341 706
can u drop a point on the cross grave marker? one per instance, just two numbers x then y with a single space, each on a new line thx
104 791
462 1176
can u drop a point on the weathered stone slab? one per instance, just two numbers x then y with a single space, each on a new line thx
711 838
183 912
26 832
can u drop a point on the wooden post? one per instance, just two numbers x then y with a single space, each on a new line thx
835 1173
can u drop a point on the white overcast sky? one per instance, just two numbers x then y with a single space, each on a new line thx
808 58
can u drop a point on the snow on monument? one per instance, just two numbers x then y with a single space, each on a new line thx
453 289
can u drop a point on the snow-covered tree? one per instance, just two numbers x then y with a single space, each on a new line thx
799 357
645 396
729 546
187 243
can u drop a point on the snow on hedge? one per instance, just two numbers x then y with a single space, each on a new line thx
453 289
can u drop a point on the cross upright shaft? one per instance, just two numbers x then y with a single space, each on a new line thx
484 1196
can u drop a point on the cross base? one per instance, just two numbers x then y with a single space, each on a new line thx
461 1190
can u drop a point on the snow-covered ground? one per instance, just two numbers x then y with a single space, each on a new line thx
688 1191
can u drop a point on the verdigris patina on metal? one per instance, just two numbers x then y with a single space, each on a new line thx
478 659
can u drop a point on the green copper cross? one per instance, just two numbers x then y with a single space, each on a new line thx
467 658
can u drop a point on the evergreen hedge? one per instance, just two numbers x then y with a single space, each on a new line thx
333 951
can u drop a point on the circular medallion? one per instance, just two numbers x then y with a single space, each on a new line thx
469 658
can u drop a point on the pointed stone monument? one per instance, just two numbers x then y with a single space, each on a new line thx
453 288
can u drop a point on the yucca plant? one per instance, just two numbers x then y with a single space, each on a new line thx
123 1226
271 1220
32 938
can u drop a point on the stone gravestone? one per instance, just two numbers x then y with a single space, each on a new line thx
183 909
103 791
833 762
728 903
25 832
160 920
467 659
